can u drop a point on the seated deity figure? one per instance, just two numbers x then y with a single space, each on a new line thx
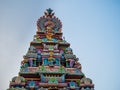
77 64
69 58
51 60
49 30
31 52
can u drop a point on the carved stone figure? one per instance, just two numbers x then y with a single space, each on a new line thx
71 63
77 64
49 30
62 59
70 58
39 57
30 62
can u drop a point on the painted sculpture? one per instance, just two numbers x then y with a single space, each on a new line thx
50 63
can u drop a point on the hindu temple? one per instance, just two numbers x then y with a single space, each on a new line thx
50 63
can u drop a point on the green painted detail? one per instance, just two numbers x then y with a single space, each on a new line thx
61 69
78 82
42 68
53 80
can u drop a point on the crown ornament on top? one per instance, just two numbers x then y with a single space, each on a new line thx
47 21
49 13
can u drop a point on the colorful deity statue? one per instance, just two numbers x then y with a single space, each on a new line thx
49 30
51 60
31 62
77 64
63 60
71 62
70 58
50 56
39 58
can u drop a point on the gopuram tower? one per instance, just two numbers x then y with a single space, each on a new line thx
49 63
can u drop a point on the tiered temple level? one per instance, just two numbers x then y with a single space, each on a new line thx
50 63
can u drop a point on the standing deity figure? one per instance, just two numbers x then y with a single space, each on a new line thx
63 61
39 57
31 62
71 62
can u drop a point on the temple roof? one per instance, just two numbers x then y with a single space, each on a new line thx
48 20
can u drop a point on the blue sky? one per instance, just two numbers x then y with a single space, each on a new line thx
92 27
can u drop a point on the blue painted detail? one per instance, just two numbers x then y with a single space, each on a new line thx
42 78
57 62
26 70
54 40
72 84
45 61
44 40
88 88
51 63
31 83
77 70
63 78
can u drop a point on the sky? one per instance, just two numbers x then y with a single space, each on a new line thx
92 27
